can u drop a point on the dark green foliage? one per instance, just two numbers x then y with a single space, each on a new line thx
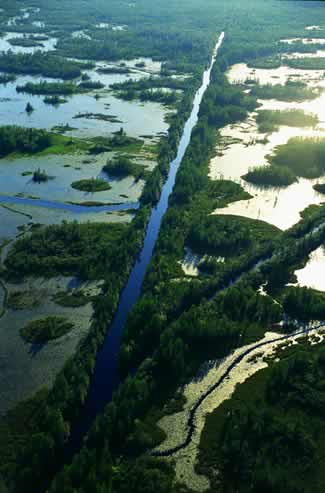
40 176
41 64
91 185
291 91
271 120
46 329
270 176
69 248
307 63
270 435
228 235
71 299
5 78
303 156
20 139
303 303
319 187
49 88
122 166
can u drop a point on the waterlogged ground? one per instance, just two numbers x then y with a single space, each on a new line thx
26 367
175 425
242 147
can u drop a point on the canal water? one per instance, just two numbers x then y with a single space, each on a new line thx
106 378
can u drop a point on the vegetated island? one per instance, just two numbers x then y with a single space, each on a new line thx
71 299
270 120
14 139
45 64
91 185
46 329
58 88
122 166
299 157
290 91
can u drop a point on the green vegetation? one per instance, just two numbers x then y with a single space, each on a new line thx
159 96
276 417
40 176
91 185
270 176
81 245
40 63
271 120
177 325
303 156
91 85
49 88
20 300
307 63
6 78
303 303
271 62
291 91
319 187
228 235
122 166
113 70
25 42
15 139
29 108
46 329
72 299
54 100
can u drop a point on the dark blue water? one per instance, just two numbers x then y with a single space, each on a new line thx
106 377
79 209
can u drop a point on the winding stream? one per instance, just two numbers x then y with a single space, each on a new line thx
229 365
106 379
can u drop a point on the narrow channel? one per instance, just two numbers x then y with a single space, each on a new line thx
106 378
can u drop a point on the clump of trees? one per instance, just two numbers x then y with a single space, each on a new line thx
270 176
39 63
91 185
18 139
290 91
122 166
46 329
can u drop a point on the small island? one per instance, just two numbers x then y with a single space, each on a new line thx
46 329
91 185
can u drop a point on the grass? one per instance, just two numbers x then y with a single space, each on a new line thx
91 185
270 176
306 63
46 329
305 157
271 62
70 299
291 91
271 120
122 166
20 300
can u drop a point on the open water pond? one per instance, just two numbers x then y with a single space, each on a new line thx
313 274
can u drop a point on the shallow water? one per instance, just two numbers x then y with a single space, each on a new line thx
278 206
47 45
26 368
136 118
313 274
